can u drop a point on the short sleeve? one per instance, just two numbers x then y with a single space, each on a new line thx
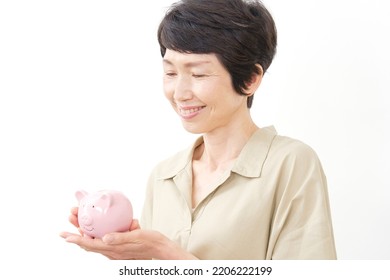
302 226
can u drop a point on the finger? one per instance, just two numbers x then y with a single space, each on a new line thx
65 234
73 218
134 225
117 238
74 211
80 231
88 244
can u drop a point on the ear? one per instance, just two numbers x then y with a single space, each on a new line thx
80 195
255 81
106 200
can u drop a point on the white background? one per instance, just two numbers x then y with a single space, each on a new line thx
81 107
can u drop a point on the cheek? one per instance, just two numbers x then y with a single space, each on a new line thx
168 89
210 93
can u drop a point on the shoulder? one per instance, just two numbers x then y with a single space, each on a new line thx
284 146
271 145
296 167
290 153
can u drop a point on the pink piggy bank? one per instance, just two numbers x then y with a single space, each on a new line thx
104 212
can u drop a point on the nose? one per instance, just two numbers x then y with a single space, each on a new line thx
182 89
86 220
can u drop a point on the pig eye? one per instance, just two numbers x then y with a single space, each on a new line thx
93 206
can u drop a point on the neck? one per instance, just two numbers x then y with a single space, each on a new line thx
223 145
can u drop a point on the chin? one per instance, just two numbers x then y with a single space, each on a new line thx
193 128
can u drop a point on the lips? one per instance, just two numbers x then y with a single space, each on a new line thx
189 112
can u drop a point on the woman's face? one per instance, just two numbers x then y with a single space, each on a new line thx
201 92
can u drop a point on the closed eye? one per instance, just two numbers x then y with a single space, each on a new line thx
170 74
199 75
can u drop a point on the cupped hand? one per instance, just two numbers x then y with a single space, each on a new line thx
135 244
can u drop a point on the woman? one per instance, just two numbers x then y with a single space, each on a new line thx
240 191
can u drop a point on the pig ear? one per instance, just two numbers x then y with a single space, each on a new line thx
106 199
80 195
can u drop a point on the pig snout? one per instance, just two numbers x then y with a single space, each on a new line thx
86 219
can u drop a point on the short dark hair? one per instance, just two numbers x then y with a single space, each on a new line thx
241 33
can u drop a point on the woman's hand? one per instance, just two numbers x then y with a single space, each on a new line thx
73 219
135 244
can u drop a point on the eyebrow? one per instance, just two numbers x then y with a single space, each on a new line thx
188 64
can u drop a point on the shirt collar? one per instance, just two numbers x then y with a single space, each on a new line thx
251 160
177 163
249 163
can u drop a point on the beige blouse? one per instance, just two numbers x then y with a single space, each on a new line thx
272 204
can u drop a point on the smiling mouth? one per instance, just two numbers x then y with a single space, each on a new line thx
88 228
190 112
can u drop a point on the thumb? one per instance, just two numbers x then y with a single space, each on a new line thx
117 238
111 238
134 225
